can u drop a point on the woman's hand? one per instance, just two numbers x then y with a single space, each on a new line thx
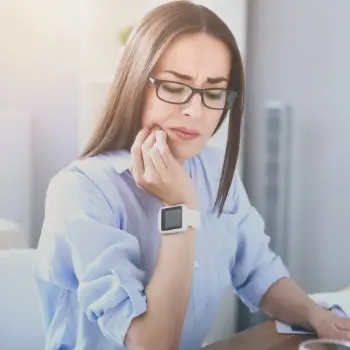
156 171
329 325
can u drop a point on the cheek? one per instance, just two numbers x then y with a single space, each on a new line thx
154 111
212 121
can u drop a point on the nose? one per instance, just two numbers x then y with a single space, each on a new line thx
194 107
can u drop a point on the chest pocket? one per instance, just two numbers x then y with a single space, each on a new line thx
214 255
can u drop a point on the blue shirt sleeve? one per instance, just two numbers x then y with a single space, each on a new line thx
90 253
256 267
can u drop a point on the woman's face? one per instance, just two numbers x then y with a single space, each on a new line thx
199 61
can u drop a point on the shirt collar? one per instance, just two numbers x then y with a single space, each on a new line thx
120 160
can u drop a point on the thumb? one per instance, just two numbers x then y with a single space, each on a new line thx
345 335
343 323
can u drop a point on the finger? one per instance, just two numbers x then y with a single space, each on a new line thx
136 154
343 329
158 160
164 150
344 324
146 147
343 335
156 127
150 173
347 335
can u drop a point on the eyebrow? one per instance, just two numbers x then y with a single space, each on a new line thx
188 77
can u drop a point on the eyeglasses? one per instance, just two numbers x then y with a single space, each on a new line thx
179 93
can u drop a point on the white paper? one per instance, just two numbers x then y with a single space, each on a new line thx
327 300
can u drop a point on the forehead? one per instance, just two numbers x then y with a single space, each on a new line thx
199 55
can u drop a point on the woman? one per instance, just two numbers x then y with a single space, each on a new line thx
109 275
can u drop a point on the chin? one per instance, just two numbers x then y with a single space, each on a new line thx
183 151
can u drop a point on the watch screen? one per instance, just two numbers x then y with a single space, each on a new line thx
172 218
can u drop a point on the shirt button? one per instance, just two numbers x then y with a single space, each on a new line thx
196 263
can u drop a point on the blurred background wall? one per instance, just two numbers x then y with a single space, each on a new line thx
39 103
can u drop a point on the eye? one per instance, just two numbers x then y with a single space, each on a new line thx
173 87
215 94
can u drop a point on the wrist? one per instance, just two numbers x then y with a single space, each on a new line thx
187 236
316 314
191 204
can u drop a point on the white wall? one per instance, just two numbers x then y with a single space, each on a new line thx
15 170
101 23
39 60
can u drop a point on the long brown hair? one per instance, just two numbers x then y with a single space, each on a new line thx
121 120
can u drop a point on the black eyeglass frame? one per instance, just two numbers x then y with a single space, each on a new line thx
230 99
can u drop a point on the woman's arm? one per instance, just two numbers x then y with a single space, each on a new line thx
103 262
167 296
157 172
287 302
262 280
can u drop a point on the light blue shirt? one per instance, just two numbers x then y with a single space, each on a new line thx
99 245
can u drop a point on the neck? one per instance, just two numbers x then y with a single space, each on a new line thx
181 161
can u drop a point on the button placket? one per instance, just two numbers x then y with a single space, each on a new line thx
200 297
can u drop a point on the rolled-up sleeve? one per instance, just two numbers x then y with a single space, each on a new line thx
256 266
92 255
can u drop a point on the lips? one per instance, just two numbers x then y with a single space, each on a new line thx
185 131
185 134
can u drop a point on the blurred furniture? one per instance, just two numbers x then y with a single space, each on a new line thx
11 235
16 166
20 320
261 337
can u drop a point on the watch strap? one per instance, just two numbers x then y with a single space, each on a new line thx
193 218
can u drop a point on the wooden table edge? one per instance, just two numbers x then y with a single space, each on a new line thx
265 329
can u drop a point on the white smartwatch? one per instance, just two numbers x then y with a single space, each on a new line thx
177 218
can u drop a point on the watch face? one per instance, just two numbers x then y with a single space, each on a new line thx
171 218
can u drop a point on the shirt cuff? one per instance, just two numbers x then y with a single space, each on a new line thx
115 323
252 293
